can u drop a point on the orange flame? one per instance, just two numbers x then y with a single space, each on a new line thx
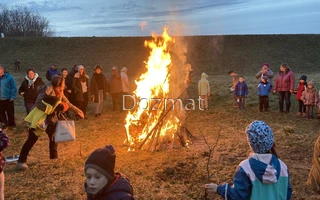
152 84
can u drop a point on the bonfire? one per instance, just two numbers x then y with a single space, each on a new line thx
158 115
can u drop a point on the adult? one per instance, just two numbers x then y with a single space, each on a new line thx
8 93
29 88
235 80
46 104
53 70
17 65
81 89
68 86
99 89
71 74
125 85
265 71
284 85
115 86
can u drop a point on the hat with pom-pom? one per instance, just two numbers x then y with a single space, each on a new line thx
103 160
260 136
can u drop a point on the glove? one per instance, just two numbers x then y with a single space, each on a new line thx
211 187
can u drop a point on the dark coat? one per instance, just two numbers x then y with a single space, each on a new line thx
120 189
241 89
30 92
78 93
50 73
94 87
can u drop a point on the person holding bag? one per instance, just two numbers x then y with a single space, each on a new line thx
44 116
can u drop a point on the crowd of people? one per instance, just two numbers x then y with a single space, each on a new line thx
261 176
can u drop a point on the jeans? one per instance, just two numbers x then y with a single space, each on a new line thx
82 105
32 139
242 102
302 107
284 96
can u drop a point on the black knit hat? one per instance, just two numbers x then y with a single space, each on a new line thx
303 77
97 67
103 160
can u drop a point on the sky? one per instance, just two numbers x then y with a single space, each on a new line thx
73 18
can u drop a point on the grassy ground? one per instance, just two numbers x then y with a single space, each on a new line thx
174 173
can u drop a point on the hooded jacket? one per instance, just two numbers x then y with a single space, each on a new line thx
310 96
124 80
284 81
203 85
261 176
8 88
120 189
264 89
30 88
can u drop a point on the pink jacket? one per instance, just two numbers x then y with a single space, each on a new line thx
310 96
284 81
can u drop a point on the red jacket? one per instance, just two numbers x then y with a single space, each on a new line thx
301 88
284 81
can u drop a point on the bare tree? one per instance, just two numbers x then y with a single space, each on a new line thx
19 21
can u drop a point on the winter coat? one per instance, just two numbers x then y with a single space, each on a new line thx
264 89
301 88
261 176
47 90
36 118
241 89
120 189
8 88
78 93
95 89
203 85
29 88
310 96
50 73
268 74
68 86
124 80
115 83
284 81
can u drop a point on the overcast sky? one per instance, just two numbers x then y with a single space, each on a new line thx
184 17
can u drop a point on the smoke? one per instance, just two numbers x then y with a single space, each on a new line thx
143 24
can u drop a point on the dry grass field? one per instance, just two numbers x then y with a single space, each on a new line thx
178 173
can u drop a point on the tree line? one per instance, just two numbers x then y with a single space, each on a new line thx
18 21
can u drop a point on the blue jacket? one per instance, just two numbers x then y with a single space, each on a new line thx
8 88
260 177
120 189
264 89
50 73
241 89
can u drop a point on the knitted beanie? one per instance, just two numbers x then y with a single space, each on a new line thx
103 160
265 64
80 67
303 77
260 136
311 83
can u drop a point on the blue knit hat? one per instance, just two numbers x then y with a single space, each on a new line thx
260 136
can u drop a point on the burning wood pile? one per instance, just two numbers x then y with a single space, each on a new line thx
157 119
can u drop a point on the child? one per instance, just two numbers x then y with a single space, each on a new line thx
101 180
4 143
264 88
241 92
235 80
310 98
204 91
262 176
301 87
